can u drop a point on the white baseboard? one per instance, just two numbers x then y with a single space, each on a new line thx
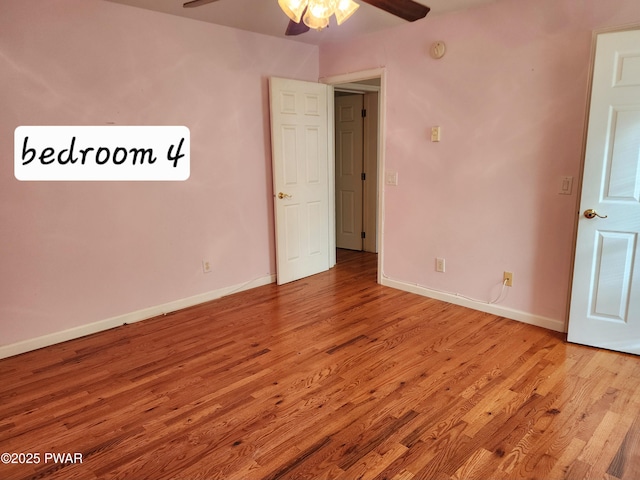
539 321
95 327
83 330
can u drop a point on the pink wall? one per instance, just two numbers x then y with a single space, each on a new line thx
76 253
510 96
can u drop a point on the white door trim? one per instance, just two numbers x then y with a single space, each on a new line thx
332 175
356 88
352 78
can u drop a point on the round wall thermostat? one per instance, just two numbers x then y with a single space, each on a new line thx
438 49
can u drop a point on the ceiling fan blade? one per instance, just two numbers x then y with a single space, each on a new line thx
197 3
296 28
406 9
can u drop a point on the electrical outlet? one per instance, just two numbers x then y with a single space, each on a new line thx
439 264
507 279
206 266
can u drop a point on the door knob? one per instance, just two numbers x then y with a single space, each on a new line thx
591 213
284 195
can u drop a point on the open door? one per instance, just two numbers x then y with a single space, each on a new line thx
349 127
356 164
605 300
300 156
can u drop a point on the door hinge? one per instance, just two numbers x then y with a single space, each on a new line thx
363 176
363 235
364 112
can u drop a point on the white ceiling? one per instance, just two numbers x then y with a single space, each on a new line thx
265 16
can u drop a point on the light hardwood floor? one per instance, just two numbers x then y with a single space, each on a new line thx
331 377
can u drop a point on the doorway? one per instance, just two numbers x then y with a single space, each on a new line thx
356 165
293 232
370 86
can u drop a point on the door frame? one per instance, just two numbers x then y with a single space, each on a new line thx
583 153
354 77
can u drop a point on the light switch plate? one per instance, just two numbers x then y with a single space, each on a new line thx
391 178
566 186
435 134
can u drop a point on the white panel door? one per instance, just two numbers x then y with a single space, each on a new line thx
605 303
349 169
300 156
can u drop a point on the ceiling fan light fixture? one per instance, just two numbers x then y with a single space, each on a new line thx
293 8
316 13
321 8
344 10
317 23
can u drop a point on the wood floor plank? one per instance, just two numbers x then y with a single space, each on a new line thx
626 462
329 377
477 467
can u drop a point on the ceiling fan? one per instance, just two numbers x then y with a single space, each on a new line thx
303 16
